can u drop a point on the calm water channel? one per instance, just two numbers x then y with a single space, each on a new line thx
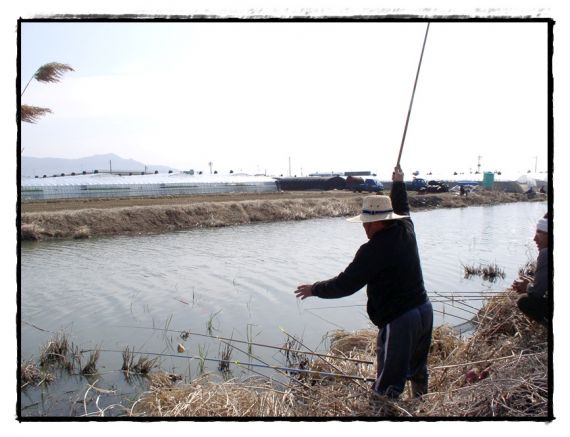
238 282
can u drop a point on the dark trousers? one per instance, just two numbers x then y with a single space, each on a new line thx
535 308
402 350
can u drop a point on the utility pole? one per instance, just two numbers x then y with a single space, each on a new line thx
210 164
289 166
110 167
535 162
479 164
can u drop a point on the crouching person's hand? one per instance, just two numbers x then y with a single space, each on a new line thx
520 285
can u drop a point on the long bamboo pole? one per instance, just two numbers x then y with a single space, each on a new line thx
412 99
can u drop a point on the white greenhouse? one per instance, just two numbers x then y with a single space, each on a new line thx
103 185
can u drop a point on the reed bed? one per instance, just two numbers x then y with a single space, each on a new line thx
57 353
500 370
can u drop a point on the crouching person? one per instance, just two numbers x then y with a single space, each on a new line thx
534 302
389 264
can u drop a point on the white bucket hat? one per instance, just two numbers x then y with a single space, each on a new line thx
376 208
542 225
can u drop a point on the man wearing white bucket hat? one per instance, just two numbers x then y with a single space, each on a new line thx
534 302
389 264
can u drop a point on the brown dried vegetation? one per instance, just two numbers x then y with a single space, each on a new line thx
30 373
81 219
501 370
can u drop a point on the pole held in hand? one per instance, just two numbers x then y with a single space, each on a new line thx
412 99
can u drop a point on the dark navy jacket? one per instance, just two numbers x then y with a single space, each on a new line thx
389 263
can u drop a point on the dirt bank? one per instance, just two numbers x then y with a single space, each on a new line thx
98 217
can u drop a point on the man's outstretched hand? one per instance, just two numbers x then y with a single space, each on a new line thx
304 291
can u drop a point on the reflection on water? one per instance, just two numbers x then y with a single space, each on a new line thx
239 281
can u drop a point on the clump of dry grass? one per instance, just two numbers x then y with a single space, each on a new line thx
143 366
91 366
489 272
55 350
57 353
30 373
361 342
499 371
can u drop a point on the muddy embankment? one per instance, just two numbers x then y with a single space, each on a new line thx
84 219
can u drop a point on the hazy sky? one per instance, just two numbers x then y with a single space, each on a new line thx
331 96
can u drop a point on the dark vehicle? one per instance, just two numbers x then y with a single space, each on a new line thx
359 184
417 184
435 187
311 183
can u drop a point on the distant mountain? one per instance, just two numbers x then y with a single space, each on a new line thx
50 166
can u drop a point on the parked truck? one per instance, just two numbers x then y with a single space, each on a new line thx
370 185
417 184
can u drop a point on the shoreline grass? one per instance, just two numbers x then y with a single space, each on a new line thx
156 218
501 370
